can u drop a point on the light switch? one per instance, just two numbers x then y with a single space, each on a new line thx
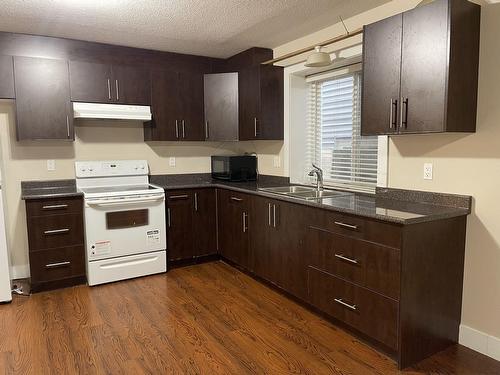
171 161
51 165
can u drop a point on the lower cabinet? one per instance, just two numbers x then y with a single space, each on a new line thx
235 222
191 223
56 242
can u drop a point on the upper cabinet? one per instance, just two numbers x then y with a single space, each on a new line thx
6 77
221 106
420 70
177 106
104 83
43 104
261 102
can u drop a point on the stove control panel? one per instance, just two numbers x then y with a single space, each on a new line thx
111 168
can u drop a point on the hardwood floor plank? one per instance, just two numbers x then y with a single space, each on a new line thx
203 319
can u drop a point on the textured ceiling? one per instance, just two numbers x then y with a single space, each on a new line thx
218 28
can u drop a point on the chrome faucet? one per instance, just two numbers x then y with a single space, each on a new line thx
319 176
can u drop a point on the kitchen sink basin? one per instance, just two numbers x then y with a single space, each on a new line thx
303 192
286 190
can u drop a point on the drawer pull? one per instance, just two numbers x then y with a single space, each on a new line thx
57 231
236 199
183 196
350 307
55 207
344 225
350 260
57 265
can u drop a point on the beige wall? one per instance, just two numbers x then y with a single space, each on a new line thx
99 141
465 164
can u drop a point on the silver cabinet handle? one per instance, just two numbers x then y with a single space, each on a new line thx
55 207
392 120
117 92
196 201
404 112
274 215
109 89
255 126
182 196
345 304
67 125
57 231
245 228
207 132
183 122
350 260
168 217
177 129
344 225
269 214
56 265
236 199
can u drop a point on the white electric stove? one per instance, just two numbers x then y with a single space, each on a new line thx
125 224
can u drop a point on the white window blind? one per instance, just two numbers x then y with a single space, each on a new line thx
334 141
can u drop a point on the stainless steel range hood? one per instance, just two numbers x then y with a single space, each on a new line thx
112 111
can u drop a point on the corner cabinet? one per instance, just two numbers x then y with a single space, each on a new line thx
426 79
43 106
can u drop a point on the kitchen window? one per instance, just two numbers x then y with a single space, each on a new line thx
333 137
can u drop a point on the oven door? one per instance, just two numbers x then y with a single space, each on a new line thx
120 226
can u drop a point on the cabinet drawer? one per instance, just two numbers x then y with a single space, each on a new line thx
57 264
366 311
358 227
233 198
55 231
374 266
55 206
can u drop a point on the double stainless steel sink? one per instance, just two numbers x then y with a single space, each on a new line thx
303 192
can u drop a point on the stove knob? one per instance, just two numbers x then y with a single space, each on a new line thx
82 169
142 167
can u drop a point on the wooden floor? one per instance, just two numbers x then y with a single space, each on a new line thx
203 319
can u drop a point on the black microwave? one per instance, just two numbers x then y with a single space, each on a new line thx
234 168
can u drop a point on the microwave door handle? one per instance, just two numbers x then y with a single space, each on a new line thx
123 202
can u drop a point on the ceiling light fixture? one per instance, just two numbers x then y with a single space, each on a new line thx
318 58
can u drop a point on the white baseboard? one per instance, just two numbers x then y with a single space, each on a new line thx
480 342
20 272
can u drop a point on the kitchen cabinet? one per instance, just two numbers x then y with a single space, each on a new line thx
261 101
111 84
235 220
7 77
43 104
56 242
221 106
426 80
191 222
177 106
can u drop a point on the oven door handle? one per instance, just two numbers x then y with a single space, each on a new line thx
123 202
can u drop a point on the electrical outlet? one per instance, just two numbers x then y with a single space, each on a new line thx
171 161
276 162
51 165
427 171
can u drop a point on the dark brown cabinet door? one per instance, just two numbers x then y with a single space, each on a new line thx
131 85
7 78
90 82
249 103
204 222
424 68
43 99
165 107
265 240
234 224
381 76
180 225
191 102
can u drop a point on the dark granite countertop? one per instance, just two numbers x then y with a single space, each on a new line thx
48 189
392 205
